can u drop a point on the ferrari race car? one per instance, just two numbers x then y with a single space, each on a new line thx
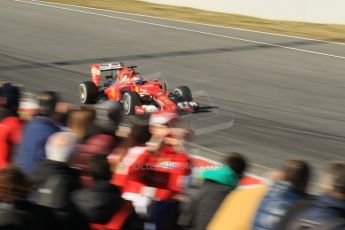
115 81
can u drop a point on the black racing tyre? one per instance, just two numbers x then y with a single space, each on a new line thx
129 101
88 92
183 93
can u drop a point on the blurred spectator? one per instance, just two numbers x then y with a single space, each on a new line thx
55 180
295 175
96 144
28 106
218 183
102 200
168 168
238 209
59 149
108 117
16 212
102 203
36 133
138 136
60 115
167 157
129 154
10 123
156 174
79 119
324 212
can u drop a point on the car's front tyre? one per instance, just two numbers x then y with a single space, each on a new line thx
129 101
182 94
88 92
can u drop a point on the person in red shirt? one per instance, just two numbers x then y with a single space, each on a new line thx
158 172
168 169
162 165
10 123
128 157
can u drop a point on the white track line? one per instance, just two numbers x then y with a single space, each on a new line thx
183 29
224 155
196 23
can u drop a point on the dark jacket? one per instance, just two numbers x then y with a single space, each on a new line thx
324 208
219 182
47 168
58 177
98 203
34 138
24 215
55 182
324 212
275 204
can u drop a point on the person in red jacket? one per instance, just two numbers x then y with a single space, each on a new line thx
10 123
129 156
168 169
162 165
158 172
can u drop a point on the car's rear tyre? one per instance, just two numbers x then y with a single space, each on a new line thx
182 94
88 92
129 101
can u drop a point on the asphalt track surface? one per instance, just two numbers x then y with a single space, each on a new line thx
269 97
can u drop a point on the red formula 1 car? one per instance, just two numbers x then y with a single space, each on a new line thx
115 81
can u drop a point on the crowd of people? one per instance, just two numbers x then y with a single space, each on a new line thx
74 168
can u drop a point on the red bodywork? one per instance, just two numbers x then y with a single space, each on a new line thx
154 89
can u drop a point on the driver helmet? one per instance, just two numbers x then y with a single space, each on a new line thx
138 79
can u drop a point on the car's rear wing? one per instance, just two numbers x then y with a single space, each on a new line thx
96 69
111 66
